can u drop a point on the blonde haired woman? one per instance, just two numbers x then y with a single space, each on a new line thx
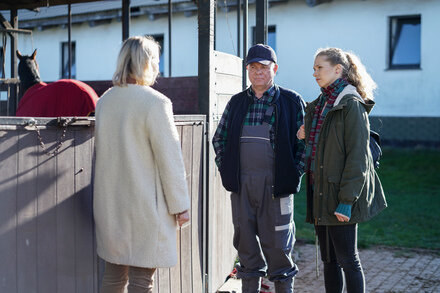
342 186
140 188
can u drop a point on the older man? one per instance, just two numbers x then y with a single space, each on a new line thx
259 159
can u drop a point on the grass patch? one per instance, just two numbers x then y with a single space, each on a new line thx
411 182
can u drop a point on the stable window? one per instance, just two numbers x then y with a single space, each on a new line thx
404 43
271 37
159 39
65 60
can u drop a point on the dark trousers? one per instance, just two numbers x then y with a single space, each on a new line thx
339 252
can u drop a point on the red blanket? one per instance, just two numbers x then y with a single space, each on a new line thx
65 97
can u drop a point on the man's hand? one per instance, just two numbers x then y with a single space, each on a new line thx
301 134
182 218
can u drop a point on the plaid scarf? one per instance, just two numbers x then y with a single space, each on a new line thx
325 103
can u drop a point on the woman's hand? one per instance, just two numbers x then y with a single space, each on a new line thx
182 218
341 217
301 134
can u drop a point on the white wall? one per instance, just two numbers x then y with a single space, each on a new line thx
96 50
184 41
359 26
362 26
97 47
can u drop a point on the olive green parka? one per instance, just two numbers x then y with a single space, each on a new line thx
344 171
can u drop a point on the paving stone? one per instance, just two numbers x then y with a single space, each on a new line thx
387 270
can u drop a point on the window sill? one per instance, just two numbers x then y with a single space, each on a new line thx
403 68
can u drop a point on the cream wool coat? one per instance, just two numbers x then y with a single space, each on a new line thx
139 181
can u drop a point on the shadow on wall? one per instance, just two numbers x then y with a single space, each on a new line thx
46 221
46 241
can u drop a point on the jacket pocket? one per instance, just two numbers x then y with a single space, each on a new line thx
333 183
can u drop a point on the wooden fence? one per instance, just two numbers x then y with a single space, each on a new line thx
47 241
9 89
227 72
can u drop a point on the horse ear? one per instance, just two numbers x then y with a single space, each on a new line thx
19 55
34 54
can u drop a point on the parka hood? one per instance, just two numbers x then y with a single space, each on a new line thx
349 92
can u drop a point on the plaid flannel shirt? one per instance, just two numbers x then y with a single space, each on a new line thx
255 116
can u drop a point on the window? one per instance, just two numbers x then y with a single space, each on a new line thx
159 39
65 60
404 43
271 37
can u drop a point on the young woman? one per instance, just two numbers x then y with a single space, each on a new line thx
140 188
342 186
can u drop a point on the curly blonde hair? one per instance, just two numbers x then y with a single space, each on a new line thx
138 61
352 70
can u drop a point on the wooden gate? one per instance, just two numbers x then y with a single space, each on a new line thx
47 241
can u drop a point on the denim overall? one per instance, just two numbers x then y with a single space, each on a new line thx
263 225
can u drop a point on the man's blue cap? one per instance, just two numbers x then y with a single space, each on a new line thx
261 53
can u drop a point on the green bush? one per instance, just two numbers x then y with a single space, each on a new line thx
411 182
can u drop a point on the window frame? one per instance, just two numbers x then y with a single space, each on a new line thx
160 37
270 29
391 42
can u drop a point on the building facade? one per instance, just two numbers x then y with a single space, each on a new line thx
396 40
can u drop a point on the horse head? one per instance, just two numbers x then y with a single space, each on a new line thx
28 70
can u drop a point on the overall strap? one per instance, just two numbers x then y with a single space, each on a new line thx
268 115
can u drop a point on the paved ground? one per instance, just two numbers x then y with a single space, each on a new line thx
386 271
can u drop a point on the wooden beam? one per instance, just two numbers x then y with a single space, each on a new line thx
69 37
206 48
170 20
238 27
31 4
6 24
125 19
206 76
11 30
13 99
9 81
245 40
261 22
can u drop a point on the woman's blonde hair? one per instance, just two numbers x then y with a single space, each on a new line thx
138 61
352 70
